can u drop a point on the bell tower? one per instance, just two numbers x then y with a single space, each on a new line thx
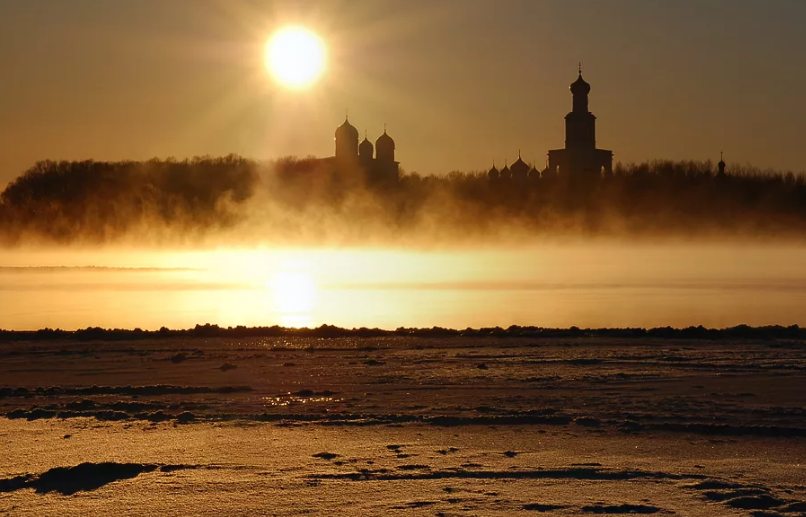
580 158
580 124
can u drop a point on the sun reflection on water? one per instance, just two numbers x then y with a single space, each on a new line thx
290 400
294 294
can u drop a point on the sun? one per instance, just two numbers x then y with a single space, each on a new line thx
296 57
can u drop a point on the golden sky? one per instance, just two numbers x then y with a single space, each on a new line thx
460 83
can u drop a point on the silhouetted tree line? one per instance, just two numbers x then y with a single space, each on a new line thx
659 198
101 201
776 333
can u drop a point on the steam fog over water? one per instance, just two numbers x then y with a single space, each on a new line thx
593 285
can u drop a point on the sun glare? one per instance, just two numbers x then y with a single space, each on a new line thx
294 294
295 57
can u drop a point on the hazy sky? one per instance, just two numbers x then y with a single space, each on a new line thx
459 82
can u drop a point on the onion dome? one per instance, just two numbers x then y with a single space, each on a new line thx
346 131
519 169
534 173
385 148
506 173
580 86
493 174
365 148
385 141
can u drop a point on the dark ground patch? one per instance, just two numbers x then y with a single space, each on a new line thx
755 502
85 477
326 455
621 508
143 391
537 507
81 478
732 494
591 474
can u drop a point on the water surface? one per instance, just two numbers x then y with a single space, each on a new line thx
552 286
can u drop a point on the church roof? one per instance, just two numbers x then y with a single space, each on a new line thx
580 86
365 146
385 141
347 130
506 172
519 166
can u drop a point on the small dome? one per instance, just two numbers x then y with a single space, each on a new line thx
519 168
347 130
385 141
506 173
365 147
580 86
493 174
534 173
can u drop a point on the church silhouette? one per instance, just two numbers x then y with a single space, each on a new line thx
354 157
579 160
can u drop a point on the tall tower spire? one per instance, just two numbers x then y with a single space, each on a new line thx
580 89
580 158
580 124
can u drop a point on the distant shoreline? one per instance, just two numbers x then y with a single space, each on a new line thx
794 332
